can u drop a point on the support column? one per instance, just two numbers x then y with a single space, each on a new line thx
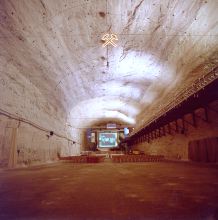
12 162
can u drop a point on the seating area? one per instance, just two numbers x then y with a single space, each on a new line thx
83 159
137 158
114 158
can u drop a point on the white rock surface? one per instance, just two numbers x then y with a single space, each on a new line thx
55 72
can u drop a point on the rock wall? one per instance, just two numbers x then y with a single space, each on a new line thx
175 146
26 119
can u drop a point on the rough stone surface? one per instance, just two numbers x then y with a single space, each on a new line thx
175 146
56 45
55 73
32 145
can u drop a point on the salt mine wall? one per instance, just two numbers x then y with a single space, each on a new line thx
29 141
175 146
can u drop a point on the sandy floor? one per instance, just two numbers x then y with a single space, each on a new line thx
110 191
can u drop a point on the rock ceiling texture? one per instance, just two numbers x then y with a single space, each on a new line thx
162 47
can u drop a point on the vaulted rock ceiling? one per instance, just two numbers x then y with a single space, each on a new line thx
162 47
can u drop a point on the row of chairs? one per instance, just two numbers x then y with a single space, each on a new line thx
83 159
115 158
137 158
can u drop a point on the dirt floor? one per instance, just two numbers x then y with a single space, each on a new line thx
165 190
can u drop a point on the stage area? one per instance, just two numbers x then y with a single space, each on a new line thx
105 191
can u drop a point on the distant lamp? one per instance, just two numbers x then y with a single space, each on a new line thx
126 131
51 133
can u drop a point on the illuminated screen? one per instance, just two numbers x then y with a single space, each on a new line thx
107 139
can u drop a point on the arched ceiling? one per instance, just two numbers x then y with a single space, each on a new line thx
56 44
